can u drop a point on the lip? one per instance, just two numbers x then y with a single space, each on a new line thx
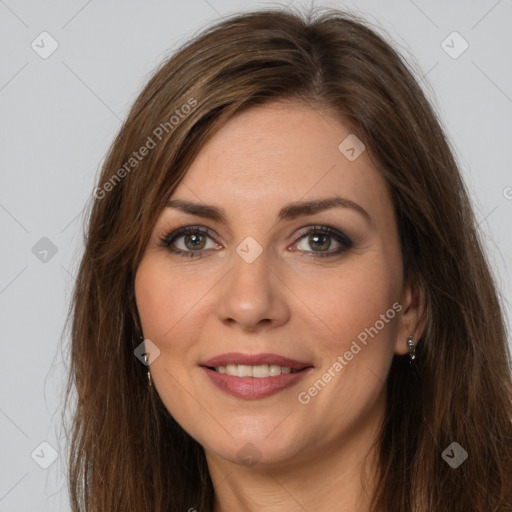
254 360
252 388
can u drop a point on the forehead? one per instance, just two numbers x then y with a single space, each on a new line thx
278 153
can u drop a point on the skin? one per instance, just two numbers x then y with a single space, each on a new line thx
288 301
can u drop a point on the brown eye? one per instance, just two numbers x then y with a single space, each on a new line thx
194 241
189 241
319 241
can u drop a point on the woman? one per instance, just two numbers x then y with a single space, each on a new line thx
283 302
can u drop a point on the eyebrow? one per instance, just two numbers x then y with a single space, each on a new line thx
289 212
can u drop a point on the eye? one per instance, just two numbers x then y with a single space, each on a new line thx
189 241
193 241
324 241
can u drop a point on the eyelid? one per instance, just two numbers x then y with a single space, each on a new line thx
169 237
325 229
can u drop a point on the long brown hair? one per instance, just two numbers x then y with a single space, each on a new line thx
126 451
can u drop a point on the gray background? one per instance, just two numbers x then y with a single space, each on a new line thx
59 115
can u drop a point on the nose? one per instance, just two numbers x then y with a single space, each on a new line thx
252 296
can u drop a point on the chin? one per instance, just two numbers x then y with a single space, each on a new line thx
256 452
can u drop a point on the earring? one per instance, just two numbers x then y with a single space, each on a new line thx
146 359
411 345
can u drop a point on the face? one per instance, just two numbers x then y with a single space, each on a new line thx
272 286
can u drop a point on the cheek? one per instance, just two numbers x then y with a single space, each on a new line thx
355 321
165 300
349 299
170 309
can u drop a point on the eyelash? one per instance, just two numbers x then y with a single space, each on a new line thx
168 239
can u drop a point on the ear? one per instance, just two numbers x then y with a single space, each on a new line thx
413 315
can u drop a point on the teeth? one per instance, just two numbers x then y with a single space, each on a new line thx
258 372
275 370
244 370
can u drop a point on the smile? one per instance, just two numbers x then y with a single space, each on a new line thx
254 376
257 372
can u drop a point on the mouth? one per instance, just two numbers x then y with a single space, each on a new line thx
254 376
258 366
